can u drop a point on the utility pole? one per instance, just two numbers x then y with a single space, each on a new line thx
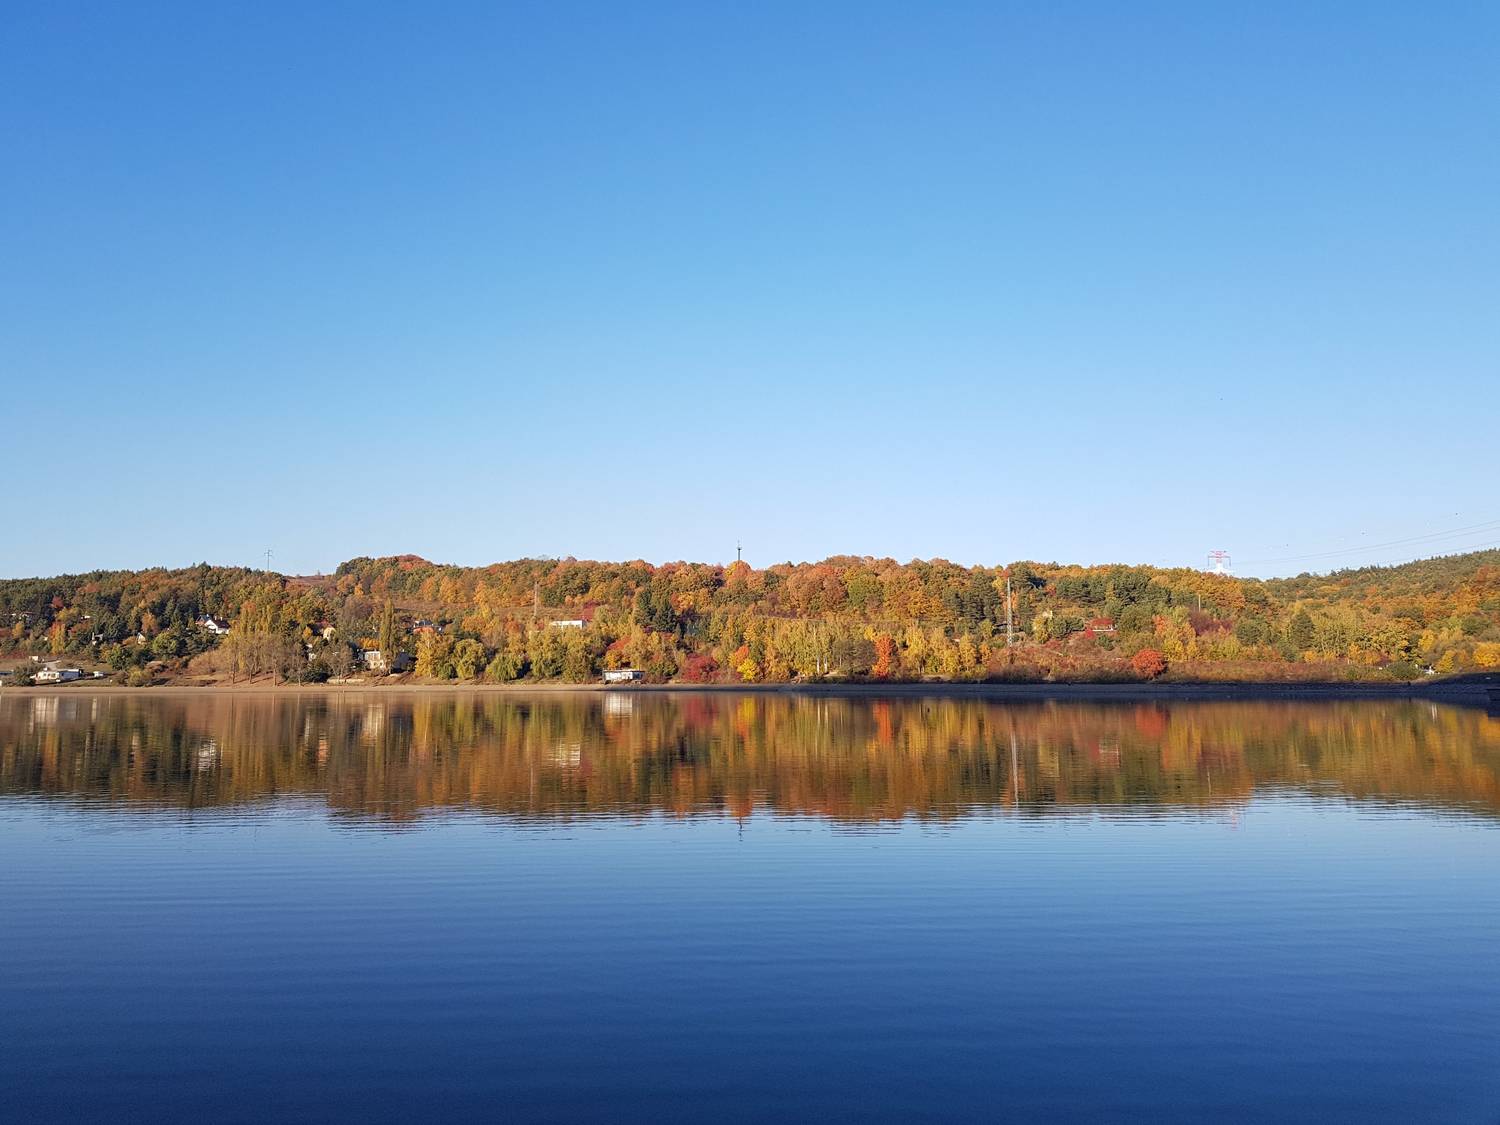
268 560
1010 625
737 554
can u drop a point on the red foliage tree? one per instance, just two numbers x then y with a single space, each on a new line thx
1148 664
700 669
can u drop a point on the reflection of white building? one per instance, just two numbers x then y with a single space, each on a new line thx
373 723
44 710
1108 751
208 756
568 755
619 704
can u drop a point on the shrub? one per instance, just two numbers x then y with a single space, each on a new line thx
1148 664
1403 670
700 669
507 665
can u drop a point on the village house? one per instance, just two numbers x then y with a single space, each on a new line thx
375 661
211 624
584 619
54 673
623 675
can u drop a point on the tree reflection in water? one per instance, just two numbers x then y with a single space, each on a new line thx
556 756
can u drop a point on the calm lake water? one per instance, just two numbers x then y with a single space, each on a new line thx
643 907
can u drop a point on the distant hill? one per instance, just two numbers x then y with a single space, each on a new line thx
845 617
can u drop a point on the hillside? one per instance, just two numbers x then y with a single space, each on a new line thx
842 618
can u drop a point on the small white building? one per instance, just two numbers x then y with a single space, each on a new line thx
54 673
623 675
211 624
569 623
376 662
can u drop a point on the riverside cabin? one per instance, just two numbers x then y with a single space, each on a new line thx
53 673
623 675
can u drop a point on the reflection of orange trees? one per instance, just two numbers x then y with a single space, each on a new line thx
845 759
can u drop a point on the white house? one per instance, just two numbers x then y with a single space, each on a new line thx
375 662
623 675
214 625
569 623
54 673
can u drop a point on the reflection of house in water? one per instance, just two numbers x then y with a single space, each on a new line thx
1107 752
568 755
374 722
618 705
44 711
208 756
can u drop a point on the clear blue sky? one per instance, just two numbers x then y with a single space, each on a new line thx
982 282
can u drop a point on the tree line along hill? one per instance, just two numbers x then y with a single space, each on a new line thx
845 618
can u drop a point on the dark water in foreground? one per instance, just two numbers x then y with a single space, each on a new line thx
689 908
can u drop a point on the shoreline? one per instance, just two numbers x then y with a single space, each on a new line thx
1483 691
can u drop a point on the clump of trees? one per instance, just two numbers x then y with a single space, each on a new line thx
843 618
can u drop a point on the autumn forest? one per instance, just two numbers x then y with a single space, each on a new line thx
845 618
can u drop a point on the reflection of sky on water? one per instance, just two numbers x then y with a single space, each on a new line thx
1292 957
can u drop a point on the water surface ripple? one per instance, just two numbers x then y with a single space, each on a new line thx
676 908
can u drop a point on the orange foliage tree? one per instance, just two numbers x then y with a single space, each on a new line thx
1148 663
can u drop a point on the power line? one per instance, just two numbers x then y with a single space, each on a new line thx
1431 537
